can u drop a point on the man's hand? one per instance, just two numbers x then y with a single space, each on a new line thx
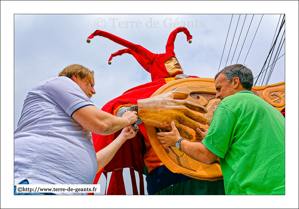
130 116
195 150
168 139
160 110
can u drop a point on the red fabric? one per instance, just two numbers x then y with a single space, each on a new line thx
147 55
133 179
172 37
116 185
139 58
154 62
120 52
130 154
283 112
193 76
106 181
141 184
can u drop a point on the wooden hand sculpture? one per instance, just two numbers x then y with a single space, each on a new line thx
160 110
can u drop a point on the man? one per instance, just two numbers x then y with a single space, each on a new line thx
53 143
246 133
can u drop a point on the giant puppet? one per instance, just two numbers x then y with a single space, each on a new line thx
174 93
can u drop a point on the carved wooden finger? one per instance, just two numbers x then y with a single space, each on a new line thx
212 105
197 117
192 106
184 131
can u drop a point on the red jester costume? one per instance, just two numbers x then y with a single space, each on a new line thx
137 153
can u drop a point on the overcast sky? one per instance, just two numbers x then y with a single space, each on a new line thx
46 44
47 37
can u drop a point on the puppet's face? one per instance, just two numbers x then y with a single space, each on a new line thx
173 66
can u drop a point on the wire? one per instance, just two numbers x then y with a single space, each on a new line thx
225 41
233 39
269 60
245 38
271 45
274 57
238 39
272 48
276 30
271 71
253 39
271 64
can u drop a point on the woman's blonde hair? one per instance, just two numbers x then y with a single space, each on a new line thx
79 70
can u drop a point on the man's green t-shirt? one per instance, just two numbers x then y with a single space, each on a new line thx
248 135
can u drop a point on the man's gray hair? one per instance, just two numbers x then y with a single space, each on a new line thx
243 73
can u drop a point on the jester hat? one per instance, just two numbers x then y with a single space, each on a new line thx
153 63
139 58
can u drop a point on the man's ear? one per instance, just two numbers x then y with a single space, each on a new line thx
74 77
236 82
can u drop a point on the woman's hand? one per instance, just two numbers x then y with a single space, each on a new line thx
127 133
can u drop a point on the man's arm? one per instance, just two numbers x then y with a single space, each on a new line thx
195 150
198 151
100 122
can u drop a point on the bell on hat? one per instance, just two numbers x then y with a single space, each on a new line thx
159 65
